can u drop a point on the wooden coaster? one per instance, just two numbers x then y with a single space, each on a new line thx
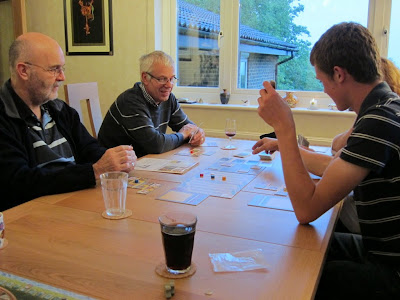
126 214
161 269
5 243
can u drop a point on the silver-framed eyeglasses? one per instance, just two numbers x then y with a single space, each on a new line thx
164 80
55 70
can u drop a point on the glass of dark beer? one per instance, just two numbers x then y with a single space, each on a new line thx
178 229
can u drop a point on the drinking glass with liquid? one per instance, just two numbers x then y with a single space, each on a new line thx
178 229
114 185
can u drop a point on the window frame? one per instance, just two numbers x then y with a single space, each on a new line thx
379 12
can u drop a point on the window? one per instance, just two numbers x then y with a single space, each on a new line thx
198 26
237 44
394 36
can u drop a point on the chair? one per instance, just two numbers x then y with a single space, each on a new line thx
88 92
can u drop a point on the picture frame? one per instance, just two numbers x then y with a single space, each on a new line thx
88 27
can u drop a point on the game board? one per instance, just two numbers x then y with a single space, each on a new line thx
238 165
222 185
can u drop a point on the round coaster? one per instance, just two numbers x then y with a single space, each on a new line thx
161 269
126 214
5 243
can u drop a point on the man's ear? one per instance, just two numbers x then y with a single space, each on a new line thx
339 74
145 79
22 71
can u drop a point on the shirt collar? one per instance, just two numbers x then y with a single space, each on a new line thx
147 95
377 94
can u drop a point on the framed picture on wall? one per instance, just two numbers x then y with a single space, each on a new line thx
88 27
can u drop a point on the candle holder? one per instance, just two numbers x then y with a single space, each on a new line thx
291 99
313 104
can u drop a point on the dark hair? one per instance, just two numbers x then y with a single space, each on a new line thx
350 46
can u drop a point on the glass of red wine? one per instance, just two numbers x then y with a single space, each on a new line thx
230 131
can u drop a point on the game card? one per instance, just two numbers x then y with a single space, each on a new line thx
210 144
184 197
242 154
209 152
269 201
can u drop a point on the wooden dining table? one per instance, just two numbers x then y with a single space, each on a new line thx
63 240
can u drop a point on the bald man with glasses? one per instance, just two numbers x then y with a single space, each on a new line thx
44 148
141 115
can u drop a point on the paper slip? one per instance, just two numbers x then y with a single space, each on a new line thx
269 201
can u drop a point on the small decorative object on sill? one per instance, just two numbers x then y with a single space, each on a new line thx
291 99
313 104
332 106
246 102
224 97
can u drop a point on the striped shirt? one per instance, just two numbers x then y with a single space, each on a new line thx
375 145
136 119
52 150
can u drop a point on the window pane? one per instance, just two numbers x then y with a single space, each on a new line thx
394 36
198 26
276 37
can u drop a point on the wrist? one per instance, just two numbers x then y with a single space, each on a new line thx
97 171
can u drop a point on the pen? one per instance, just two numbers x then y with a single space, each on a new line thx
194 133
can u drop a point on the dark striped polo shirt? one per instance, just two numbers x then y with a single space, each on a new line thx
52 150
375 145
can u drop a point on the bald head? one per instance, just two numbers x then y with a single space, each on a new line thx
32 46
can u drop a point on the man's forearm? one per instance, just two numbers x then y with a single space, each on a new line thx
298 182
315 163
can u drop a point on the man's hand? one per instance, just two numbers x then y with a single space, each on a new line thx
265 144
121 158
198 137
187 130
273 109
195 134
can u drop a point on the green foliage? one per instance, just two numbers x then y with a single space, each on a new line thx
211 5
276 18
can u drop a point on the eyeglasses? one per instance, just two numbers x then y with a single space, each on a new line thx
164 80
55 70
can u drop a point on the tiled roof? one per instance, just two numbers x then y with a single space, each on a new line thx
194 17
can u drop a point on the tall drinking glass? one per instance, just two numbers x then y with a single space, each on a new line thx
114 186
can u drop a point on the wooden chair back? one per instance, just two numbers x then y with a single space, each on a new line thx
88 92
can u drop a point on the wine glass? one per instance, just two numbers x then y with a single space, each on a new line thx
230 131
